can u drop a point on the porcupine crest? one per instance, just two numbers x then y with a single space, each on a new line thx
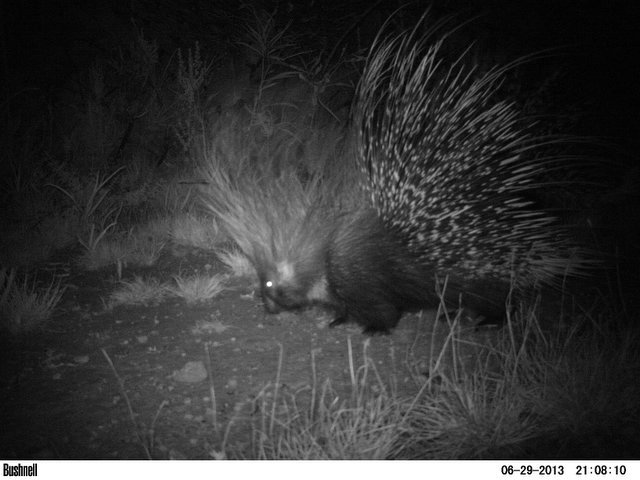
447 165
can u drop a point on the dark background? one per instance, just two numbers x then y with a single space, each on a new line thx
595 42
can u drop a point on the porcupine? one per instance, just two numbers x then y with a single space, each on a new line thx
446 167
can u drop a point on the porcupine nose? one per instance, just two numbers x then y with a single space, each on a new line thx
270 305
269 295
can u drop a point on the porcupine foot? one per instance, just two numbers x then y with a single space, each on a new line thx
337 321
367 330
378 321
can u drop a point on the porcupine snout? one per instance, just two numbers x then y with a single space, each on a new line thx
288 287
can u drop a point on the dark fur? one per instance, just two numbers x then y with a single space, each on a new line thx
371 278
374 279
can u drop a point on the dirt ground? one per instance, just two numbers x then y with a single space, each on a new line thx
62 398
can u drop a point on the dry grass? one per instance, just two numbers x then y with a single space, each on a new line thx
25 307
198 288
316 424
140 246
139 291
574 389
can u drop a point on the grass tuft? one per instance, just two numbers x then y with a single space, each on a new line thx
24 307
139 291
198 288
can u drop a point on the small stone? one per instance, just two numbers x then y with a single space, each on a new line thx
231 386
192 372
81 359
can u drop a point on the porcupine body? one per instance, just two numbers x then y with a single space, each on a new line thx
356 269
447 167
362 272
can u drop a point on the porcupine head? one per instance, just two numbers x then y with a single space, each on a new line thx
291 263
